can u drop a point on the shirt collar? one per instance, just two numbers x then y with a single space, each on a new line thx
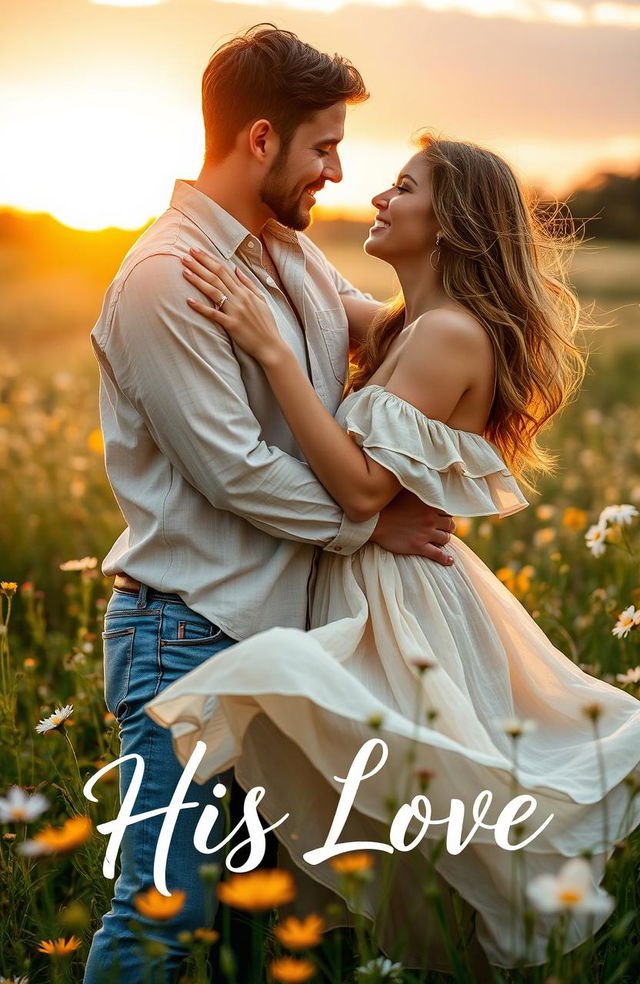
219 225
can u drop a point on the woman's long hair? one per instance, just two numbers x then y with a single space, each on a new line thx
504 262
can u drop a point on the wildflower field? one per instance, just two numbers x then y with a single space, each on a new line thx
571 558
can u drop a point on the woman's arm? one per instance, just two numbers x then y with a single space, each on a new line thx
433 363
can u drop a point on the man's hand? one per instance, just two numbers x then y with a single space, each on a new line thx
407 526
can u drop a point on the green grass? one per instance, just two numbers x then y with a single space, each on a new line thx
55 504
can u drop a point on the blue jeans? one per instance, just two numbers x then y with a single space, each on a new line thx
150 640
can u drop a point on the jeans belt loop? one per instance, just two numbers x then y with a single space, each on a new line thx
142 596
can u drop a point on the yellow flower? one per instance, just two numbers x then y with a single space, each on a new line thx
463 525
349 864
545 512
153 905
208 936
543 537
95 442
257 890
506 575
59 947
58 840
299 934
291 971
9 586
575 519
523 579
518 582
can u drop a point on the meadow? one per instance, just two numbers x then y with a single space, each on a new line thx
56 506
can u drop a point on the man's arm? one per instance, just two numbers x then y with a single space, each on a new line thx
182 375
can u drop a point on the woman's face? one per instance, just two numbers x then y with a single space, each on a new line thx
405 226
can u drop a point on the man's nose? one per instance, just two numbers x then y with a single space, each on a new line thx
333 167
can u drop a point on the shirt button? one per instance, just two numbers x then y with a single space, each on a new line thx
271 282
250 244
337 549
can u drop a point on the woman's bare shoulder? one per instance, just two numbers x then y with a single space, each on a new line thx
453 323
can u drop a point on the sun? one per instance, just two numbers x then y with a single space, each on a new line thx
94 158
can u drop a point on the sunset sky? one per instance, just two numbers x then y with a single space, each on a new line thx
100 101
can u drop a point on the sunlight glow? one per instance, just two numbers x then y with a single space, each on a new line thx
617 14
127 3
90 183
569 12
98 141
107 159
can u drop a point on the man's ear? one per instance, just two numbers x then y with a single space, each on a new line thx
263 141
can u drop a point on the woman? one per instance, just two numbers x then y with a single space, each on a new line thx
453 383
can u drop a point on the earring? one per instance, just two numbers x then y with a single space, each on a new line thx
437 251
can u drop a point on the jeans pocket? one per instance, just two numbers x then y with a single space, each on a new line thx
118 654
191 633
178 657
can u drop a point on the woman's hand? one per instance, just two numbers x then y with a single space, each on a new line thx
244 313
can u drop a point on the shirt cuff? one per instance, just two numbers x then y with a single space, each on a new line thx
351 536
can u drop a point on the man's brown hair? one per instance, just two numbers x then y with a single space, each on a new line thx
270 74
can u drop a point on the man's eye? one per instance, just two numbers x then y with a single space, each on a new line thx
323 153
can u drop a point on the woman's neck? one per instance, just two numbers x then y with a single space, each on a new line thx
421 287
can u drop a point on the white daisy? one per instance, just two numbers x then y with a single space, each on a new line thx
622 515
55 721
631 676
572 889
20 807
379 970
626 621
595 539
84 564
34 849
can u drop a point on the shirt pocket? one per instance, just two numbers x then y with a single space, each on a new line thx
334 329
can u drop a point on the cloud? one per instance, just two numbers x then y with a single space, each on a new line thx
576 13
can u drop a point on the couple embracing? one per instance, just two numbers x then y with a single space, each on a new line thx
288 583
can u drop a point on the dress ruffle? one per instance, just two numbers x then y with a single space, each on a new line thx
457 471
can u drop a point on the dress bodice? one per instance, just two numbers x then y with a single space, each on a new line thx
458 471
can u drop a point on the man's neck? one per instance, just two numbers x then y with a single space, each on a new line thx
220 182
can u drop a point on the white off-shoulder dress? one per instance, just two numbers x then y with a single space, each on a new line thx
291 709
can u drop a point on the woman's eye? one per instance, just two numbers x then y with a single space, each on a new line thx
400 187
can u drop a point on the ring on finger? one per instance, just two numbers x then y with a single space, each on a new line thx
223 299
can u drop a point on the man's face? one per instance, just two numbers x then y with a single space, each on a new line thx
311 158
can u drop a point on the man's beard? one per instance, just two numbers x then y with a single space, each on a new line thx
276 194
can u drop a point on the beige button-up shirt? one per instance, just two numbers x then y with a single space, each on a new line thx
219 502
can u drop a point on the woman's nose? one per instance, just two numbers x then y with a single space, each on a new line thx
379 201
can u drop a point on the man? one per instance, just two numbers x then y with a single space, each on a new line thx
224 516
